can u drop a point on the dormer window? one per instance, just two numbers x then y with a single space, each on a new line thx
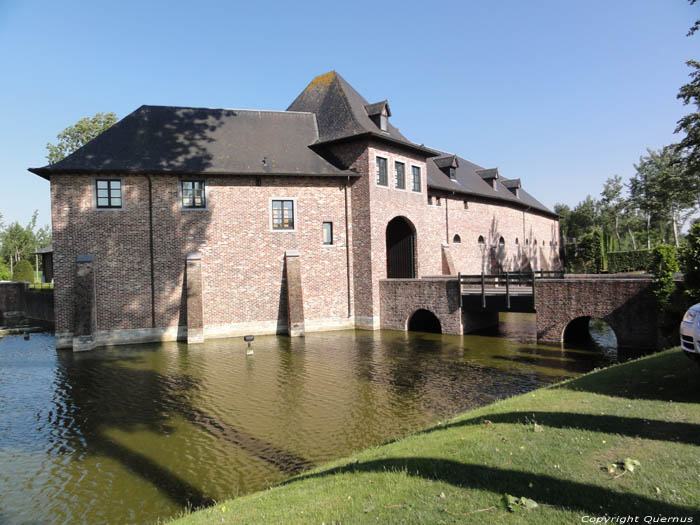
514 186
490 177
448 165
379 113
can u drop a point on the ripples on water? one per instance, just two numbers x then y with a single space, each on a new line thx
136 433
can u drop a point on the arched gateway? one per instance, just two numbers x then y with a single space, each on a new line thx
400 249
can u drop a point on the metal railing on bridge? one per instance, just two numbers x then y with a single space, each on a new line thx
507 283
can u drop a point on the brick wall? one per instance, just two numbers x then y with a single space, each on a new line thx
627 305
243 261
400 298
529 237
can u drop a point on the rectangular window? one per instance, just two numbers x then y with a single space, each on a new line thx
400 169
282 214
416 178
382 175
109 193
437 201
327 233
193 194
466 205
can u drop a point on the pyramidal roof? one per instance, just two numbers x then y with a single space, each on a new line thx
341 112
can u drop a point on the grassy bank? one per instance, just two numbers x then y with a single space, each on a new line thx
562 447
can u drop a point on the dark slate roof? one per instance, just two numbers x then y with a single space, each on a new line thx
164 139
512 183
468 182
342 114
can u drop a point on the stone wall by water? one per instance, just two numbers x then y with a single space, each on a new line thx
17 301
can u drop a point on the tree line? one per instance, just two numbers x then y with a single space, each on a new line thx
655 205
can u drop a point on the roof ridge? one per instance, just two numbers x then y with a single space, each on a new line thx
226 109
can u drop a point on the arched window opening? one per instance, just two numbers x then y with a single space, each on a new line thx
456 239
481 241
517 241
501 242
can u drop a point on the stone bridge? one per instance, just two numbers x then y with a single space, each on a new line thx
562 306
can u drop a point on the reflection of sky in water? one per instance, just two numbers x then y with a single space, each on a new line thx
134 433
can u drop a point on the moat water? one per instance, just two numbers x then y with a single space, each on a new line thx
132 434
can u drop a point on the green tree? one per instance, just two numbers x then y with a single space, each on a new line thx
23 272
660 190
79 134
584 217
612 204
564 213
689 147
17 242
690 261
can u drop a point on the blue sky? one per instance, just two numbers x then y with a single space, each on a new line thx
561 94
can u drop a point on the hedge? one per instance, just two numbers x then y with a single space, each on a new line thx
629 261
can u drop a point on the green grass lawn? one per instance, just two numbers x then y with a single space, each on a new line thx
555 446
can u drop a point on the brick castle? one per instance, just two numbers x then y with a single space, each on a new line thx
194 223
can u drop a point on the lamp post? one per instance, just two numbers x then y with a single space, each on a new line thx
249 339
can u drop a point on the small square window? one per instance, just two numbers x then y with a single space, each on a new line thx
109 193
282 215
416 178
193 194
400 169
382 175
327 233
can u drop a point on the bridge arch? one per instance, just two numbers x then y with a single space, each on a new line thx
578 330
423 320
400 249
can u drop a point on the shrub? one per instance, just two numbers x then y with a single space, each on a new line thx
664 265
588 256
629 261
23 271
690 261
5 274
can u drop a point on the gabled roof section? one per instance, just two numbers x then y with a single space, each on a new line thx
165 139
342 115
474 180
512 184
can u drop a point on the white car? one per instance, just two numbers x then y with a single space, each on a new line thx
690 332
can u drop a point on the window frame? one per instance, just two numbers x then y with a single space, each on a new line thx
96 199
295 215
413 178
386 171
181 196
323 233
396 175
